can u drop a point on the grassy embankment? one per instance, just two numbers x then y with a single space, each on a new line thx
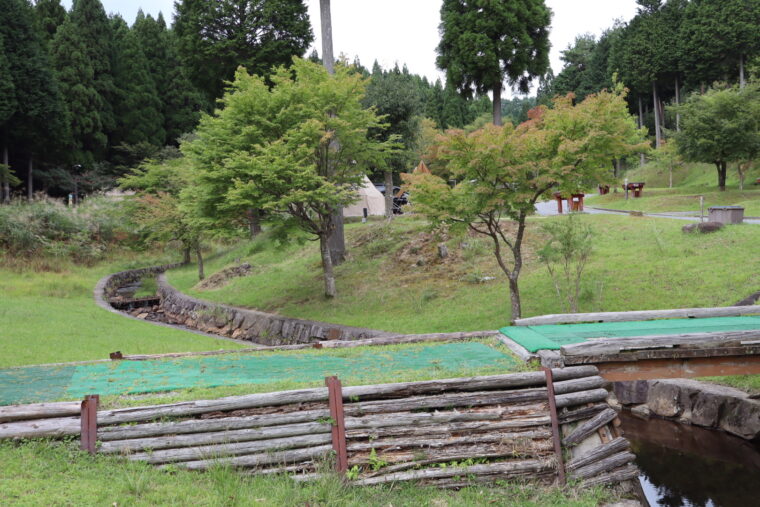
690 181
48 473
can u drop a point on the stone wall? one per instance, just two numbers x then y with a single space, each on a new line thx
251 325
109 284
693 402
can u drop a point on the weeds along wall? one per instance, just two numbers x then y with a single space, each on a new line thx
449 433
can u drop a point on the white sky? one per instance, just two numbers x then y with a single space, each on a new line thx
406 31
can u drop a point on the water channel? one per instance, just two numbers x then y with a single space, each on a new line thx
685 466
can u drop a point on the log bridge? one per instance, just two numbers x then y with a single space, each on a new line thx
656 356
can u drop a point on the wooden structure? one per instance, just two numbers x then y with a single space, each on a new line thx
574 203
636 188
603 189
517 426
685 355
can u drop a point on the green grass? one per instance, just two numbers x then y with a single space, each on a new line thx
690 181
748 383
57 473
638 264
51 317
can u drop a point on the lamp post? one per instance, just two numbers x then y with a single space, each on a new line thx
77 171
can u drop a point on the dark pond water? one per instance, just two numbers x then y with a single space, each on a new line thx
684 466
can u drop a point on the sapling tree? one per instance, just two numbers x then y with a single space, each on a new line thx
295 172
503 171
565 253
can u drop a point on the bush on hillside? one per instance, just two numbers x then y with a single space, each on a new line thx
47 228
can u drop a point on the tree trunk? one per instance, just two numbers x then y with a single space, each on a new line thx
199 256
337 242
514 297
186 256
254 222
721 166
655 101
497 104
29 184
678 102
388 194
6 190
742 81
327 268
327 47
641 124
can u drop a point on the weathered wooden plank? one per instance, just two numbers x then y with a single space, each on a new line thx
680 313
645 347
621 474
516 348
617 445
207 425
216 437
571 415
257 460
505 468
39 411
431 443
448 429
580 398
604 465
232 449
38 428
681 368
588 427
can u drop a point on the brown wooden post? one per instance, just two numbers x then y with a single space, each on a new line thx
335 399
555 425
558 198
89 423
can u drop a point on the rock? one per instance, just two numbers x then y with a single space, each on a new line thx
641 411
662 399
143 315
741 417
443 250
632 392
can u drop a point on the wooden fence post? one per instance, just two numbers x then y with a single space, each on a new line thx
89 423
335 399
555 425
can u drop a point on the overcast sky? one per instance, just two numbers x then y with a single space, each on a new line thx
406 31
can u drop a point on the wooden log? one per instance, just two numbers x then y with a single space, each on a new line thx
504 469
581 398
516 348
235 449
688 345
681 313
617 445
580 384
586 428
109 433
621 474
400 443
404 459
307 454
39 411
448 429
189 408
511 413
216 437
38 428
306 466
604 465
460 482
571 415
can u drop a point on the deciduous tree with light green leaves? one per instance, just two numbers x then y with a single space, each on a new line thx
280 157
504 171
720 127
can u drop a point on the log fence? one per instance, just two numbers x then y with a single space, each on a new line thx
497 427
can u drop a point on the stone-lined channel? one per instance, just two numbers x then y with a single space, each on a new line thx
685 465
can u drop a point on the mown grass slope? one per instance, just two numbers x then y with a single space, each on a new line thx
395 281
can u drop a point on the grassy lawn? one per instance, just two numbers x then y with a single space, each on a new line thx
57 473
395 282
50 316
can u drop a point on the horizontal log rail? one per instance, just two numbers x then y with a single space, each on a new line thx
679 313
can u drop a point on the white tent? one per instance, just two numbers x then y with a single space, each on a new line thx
368 197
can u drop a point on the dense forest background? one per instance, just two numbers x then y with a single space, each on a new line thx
84 97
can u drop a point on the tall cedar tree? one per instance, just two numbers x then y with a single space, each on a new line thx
216 37
82 52
49 14
37 120
483 43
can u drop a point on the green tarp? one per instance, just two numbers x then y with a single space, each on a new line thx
31 384
552 337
